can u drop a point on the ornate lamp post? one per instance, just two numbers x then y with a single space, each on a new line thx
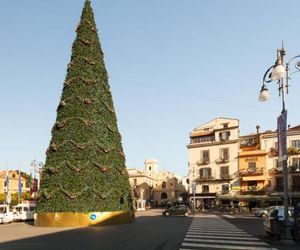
280 73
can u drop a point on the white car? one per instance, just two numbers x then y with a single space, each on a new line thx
6 216
279 213
23 212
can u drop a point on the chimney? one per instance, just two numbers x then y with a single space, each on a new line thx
257 137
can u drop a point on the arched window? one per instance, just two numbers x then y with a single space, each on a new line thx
164 184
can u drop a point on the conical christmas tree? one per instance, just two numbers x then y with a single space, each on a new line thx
85 165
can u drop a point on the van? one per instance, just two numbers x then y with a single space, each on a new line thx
23 212
6 216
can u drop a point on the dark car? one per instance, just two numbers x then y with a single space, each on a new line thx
177 210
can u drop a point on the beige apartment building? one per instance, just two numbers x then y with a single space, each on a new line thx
213 162
13 182
151 186
269 143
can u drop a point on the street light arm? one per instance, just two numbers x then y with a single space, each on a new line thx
293 59
265 75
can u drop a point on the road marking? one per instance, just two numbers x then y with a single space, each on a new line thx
207 246
213 232
227 241
217 237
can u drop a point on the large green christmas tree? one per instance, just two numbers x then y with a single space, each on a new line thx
85 165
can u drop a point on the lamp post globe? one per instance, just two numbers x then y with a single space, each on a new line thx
278 73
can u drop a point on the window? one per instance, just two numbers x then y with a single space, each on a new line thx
25 209
205 172
224 172
171 184
205 189
13 175
134 182
224 136
251 167
225 188
296 144
205 155
164 184
252 184
224 154
225 125
150 168
201 139
276 145
295 161
269 183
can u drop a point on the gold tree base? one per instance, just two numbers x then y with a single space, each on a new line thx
70 219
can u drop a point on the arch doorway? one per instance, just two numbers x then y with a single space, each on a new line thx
164 196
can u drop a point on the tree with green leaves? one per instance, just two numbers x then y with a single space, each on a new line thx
85 165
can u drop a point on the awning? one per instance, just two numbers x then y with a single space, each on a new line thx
203 197
254 178
243 197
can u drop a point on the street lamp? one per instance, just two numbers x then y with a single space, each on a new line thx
280 72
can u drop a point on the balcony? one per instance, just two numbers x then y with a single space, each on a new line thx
205 178
222 160
202 162
251 172
253 190
226 177
293 169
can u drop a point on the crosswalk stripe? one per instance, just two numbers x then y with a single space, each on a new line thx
213 232
220 237
207 246
225 241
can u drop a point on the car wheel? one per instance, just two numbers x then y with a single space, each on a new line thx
186 214
167 213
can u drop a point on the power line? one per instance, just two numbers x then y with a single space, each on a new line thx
174 91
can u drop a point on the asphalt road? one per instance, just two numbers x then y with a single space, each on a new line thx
254 226
150 231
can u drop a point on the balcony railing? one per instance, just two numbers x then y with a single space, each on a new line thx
202 162
226 177
249 171
293 169
252 189
223 159
205 178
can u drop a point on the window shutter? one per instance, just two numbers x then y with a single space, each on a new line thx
201 172
209 172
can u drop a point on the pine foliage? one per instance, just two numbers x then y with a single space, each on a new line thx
85 165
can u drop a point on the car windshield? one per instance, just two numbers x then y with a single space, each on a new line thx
18 209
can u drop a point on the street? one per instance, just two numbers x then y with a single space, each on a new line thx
150 231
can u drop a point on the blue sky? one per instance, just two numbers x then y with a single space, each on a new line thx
173 65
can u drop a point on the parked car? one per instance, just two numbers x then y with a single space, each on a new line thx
177 210
262 212
23 212
275 218
6 216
